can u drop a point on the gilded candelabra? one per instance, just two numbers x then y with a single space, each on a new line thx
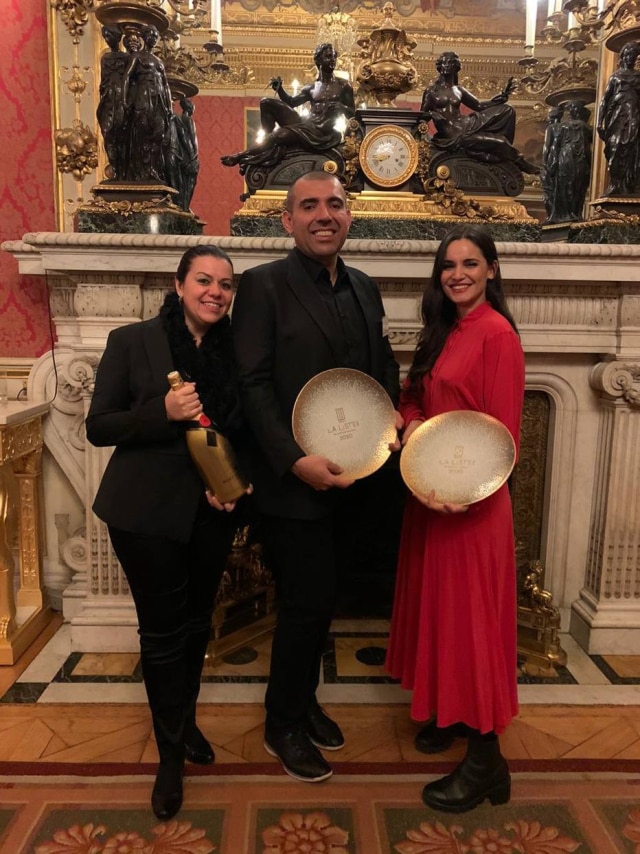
565 77
185 15
186 66
615 24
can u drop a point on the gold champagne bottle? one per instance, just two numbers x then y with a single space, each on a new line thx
212 455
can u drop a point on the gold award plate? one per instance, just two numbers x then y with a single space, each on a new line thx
346 416
464 456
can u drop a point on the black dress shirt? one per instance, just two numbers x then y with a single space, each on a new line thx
343 304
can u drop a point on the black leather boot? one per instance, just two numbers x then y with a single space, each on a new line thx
166 797
436 739
163 671
483 773
197 748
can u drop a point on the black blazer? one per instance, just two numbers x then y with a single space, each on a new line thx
150 485
283 335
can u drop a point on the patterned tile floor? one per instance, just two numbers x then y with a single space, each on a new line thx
353 672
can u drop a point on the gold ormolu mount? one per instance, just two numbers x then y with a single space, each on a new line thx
387 68
538 626
445 203
245 604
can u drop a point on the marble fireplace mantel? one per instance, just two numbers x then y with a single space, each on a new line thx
578 311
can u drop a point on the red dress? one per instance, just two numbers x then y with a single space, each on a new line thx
453 629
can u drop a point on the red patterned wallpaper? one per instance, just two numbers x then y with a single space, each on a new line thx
26 170
221 128
26 178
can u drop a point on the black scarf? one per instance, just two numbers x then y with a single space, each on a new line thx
210 366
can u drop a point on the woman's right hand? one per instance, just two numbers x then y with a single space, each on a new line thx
183 404
438 506
408 430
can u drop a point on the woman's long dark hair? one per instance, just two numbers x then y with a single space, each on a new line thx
439 313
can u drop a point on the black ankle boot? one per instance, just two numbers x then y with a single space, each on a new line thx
166 798
436 739
483 773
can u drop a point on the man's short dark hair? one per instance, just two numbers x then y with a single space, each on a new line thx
314 175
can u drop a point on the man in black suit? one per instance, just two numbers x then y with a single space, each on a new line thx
293 319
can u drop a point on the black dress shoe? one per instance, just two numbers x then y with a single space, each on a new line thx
436 739
323 732
299 758
196 747
166 797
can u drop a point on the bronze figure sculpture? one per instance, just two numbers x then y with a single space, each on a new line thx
148 100
619 123
189 159
574 160
172 158
329 99
550 154
111 113
486 134
566 162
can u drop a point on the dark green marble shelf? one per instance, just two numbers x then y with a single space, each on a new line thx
257 226
382 228
136 223
605 232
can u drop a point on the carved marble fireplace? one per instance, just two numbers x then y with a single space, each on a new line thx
578 310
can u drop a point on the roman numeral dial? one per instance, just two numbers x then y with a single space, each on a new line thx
388 156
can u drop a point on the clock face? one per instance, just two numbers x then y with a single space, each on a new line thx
388 156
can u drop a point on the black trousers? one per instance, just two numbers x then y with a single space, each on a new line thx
301 556
308 559
311 561
174 586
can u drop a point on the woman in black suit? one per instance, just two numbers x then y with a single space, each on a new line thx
171 537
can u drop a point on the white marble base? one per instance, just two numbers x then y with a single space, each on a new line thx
73 601
610 630
105 626
605 641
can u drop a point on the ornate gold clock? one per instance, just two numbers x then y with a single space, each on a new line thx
388 156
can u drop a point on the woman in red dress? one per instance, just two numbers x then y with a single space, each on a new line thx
453 631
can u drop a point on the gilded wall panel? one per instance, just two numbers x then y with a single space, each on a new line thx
492 18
